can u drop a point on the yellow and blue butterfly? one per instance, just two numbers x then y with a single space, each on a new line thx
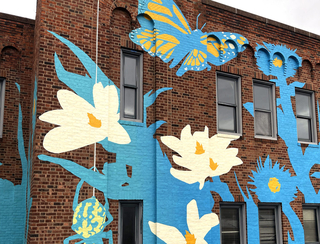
165 33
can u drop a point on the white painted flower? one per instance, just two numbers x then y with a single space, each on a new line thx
81 124
202 156
198 227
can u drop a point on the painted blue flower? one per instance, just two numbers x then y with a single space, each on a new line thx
273 184
277 60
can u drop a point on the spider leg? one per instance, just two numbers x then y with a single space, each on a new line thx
107 235
76 196
70 238
109 216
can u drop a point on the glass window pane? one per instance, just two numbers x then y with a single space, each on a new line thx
310 225
262 122
226 90
129 102
130 69
227 118
304 129
262 95
267 226
303 105
230 225
128 223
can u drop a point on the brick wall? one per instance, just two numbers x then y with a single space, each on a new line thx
192 100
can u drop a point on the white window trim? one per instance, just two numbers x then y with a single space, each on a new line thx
317 208
239 105
278 222
274 128
314 134
2 100
139 237
139 85
242 219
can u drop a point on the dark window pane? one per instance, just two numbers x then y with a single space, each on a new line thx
267 226
227 118
130 68
263 123
129 102
310 225
304 129
226 90
303 105
128 223
262 95
230 226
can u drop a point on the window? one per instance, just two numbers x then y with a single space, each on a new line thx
130 224
305 113
131 85
2 90
264 109
311 224
270 224
229 109
232 223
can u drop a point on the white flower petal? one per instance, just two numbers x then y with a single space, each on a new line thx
171 142
186 133
205 224
192 216
197 152
69 101
64 139
81 123
168 234
117 134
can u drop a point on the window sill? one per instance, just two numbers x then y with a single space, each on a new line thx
266 138
228 134
132 123
309 144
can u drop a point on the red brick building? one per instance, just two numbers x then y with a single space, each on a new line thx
142 125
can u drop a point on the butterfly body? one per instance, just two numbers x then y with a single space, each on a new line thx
165 33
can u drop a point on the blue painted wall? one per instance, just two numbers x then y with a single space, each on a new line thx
15 200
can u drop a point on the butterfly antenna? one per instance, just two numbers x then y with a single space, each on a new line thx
203 26
197 19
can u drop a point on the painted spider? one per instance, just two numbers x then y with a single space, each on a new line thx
89 220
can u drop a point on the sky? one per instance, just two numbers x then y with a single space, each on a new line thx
302 14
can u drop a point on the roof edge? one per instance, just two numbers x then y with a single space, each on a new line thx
259 18
17 18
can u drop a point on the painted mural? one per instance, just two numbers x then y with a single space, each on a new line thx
15 200
177 204
166 33
94 110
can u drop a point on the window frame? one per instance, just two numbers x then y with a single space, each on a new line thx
2 100
139 86
238 106
313 126
242 219
317 208
273 109
277 217
139 211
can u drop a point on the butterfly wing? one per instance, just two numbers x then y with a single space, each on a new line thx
145 36
164 30
196 59
224 46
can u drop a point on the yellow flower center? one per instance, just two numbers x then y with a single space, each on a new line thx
190 239
277 62
93 121
274 185
213 165
199 148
